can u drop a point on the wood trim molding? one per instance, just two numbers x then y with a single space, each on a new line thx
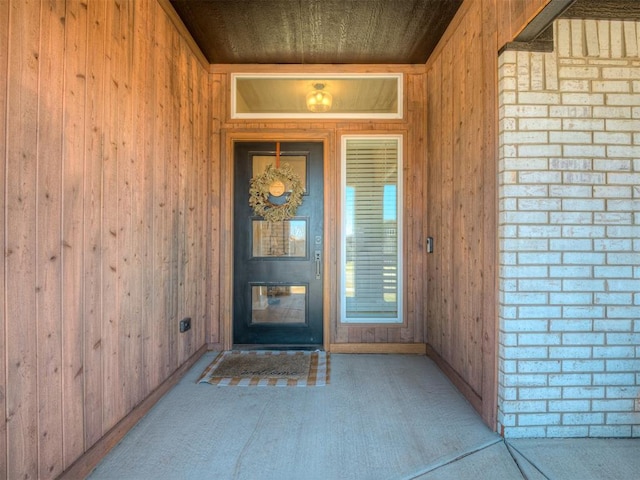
82 467
474 399
397 348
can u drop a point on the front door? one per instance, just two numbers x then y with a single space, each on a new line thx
277 284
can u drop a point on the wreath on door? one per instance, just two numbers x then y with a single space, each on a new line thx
272 183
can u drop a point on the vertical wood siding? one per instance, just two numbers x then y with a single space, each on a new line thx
461 212
104 122
514 15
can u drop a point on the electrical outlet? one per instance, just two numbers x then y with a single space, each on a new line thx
185 324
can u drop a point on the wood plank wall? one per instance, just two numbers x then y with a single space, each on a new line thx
105 185
514 15
461 185
411 127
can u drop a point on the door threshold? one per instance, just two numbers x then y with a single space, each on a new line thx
304 348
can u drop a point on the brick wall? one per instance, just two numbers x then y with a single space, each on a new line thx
569 345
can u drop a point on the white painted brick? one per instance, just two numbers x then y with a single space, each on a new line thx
580 72
540 177
609 164
525 191
569 405
525 432
590 124
525 271
619 125
620 73
582 258
521 380
525 217
622 99
529 419
573 112
592 178
592 151
571 244
617 86
545 285
539 150
612 351
623 151
607 325
575 379
527 298
567 432
525 137
584 311
573 85
543 124
533 339
582 418
614 379
529 163
582 231
525 407
526 325
524 111
539 204
539 231
612 112
583 392
568 191
623 231
540 366
570 352
608 191
613 298
583 338
525 352
570 137
591 99
612 138
538 98
583 365
569 272
583 204
583 218
525 244
537 258
623 392
612 218
612 405
581 285
623 285
623 418
570 163
631 365
566 298
610 431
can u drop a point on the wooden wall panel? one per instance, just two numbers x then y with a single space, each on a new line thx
461 185
412 332
4 54
107 182
514 15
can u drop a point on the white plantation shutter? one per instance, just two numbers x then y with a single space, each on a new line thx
371 287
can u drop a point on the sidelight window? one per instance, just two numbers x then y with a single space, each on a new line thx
371 240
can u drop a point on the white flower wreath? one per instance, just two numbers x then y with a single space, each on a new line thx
259 193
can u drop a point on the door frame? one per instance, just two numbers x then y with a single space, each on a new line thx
226 204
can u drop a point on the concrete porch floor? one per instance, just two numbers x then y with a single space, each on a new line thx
382 417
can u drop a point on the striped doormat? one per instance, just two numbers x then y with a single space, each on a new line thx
264 368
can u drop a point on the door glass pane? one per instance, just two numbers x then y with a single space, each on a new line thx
372 225
279 239
298 164
278 303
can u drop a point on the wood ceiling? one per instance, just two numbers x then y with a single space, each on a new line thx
317 31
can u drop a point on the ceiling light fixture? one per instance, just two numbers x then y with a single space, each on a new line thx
319 100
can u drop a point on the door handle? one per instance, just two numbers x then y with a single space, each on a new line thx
318 259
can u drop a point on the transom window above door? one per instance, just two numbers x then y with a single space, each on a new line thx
320 95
